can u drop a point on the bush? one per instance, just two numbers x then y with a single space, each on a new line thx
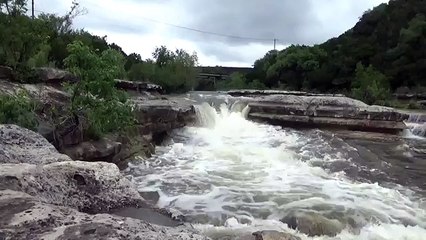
235 81
105 107
238 81
18 109
370 85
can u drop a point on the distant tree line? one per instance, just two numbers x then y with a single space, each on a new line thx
386 50
383 52
26 43
96 104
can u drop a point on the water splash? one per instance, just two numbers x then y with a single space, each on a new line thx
416 124
230 175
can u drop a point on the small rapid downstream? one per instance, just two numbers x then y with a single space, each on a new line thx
230 176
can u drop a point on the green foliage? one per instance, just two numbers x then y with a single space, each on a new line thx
41 58
293 65
391 37
235 81
256 84
238 81
104 106
370 85
18 109
174 71
20 39
26 74
144 71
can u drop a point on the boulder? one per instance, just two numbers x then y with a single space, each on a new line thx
102 150
325 111
274 235
6 73
313 224
162 115
88 187
55 76
24 217
138 86
114 149
20 145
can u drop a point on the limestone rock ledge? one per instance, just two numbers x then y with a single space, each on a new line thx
156 116
19 145
24 217
298 109
45 195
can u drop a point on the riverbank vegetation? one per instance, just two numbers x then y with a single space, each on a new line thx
26 43
49 40
383 52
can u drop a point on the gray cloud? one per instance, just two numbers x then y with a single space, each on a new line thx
283 19
290 21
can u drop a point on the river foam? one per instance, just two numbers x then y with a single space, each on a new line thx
230 176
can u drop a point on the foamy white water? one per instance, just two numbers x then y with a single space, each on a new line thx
416 124
231 176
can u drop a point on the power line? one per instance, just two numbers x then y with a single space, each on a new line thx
272 40
208 32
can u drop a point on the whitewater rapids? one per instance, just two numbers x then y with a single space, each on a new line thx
230 176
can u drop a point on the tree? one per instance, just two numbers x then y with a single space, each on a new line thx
13 7
370 85
95 96
293 65
132 59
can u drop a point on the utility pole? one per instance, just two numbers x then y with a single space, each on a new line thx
32 8
275 43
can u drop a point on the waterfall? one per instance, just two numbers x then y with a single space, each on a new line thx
208 116
416 124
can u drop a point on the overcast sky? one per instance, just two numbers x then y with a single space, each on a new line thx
142 25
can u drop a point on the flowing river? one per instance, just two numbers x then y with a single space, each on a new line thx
229 176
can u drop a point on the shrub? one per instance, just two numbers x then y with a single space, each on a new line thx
105 107
18 109
238 81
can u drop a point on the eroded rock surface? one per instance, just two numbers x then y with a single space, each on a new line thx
45 195
313 110
20 145
138 86
55 76
162 115
88 187
24 217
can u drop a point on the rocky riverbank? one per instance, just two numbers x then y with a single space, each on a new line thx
46 195
155 114
57 184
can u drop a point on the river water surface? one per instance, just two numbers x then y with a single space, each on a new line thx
229 176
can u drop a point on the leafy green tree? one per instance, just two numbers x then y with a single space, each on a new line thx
370 85
131 60
13 7
261 67
293 65
95 95
257 84
391 37
174 71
